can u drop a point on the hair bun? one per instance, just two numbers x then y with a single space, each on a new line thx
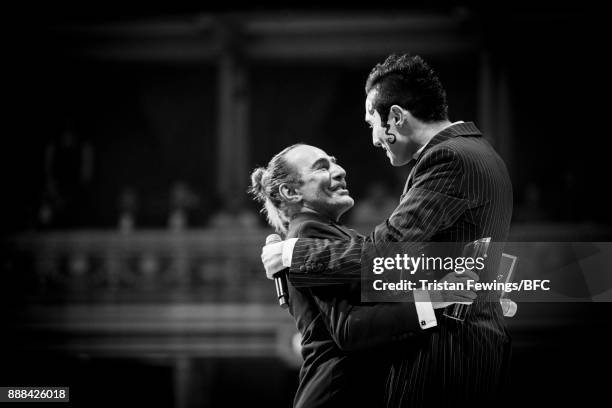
257 188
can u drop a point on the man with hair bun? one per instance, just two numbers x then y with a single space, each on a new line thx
346 344
458 190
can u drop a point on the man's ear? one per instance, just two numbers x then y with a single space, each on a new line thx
397 115
289 194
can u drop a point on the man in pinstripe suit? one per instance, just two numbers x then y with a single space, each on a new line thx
458 190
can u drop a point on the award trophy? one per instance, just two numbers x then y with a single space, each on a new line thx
474 249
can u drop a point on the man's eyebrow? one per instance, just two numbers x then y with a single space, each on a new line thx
321 161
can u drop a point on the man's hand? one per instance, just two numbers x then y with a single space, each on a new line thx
272 258
444 298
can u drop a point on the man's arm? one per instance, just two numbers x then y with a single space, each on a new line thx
355 325
361 326
433 203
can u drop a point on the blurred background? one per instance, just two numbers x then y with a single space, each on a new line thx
130 250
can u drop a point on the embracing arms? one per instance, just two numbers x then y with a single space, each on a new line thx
434 202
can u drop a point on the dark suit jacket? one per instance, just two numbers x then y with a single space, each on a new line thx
337 329
458 191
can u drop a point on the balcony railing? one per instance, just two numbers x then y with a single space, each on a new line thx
149 265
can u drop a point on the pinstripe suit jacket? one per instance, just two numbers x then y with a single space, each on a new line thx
458 191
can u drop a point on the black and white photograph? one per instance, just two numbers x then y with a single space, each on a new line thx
306 205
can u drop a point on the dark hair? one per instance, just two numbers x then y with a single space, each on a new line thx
409 82
265 184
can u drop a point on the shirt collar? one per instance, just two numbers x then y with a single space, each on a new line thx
418 152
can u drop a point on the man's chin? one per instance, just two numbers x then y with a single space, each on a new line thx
347 203
346 207
394 162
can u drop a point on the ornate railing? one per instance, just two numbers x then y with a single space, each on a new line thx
151 292
208 265
151 265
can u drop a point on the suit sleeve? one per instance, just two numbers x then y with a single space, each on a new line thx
434 202
360 326
355 326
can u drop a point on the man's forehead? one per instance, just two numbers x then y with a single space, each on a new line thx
305 155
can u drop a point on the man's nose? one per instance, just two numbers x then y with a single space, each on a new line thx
338 172
375 141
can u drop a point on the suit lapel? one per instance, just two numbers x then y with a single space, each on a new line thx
343 230
412 164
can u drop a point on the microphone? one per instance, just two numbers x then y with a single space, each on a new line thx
280 280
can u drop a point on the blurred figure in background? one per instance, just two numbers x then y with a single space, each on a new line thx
234 215
183 201
68 167
128 207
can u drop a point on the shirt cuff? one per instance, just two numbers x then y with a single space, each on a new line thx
288 251
425 310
